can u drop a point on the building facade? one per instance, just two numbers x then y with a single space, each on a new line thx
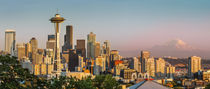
68 38
91 40
145 55
10 41
97 49
194 65
160 67
81 50
170 70
34 48
150 67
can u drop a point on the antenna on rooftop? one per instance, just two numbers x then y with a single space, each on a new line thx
57 11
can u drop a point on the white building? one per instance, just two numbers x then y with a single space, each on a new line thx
10 41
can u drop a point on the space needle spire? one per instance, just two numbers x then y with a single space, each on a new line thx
57 60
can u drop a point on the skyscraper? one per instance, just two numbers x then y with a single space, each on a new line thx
21 51
51 42
68 38
114 55
97 49
150 67
57 61
194 65
106 53
144 57
34 47
160 67
39 56
91 40
135 64
73 60
28 49
10 38
145 54
81 48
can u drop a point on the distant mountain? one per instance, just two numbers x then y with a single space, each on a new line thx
177 48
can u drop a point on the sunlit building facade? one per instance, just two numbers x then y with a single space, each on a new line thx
34 48
160 67
10 41
91 40
145 55
194 65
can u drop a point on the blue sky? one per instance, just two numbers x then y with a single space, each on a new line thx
129 24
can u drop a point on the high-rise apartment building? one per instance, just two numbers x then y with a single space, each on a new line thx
106 48
21 51
170 70
51 42
150 67
34 47
145 55
10 39
68 38
194 65
28 50
135 64
73 60
81 64
160 67
39 56
97 49
114 55
91 40
48 56
81 50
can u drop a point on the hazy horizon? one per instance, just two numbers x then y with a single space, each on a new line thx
130 26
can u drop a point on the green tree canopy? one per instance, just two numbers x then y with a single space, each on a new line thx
12 75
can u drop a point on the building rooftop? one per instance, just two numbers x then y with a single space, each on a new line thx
148 85
10 30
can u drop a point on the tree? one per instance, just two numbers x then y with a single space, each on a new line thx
12 75
85 83
105 81
208 86
110 82
99 81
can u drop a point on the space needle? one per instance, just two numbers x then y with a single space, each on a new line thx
57 60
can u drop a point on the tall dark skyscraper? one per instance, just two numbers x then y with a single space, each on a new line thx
81 48
68 38
73 60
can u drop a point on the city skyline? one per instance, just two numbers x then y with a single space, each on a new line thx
130 26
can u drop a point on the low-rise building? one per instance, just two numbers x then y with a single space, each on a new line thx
78 75
206 75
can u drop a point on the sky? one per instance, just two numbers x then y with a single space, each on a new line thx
130 25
